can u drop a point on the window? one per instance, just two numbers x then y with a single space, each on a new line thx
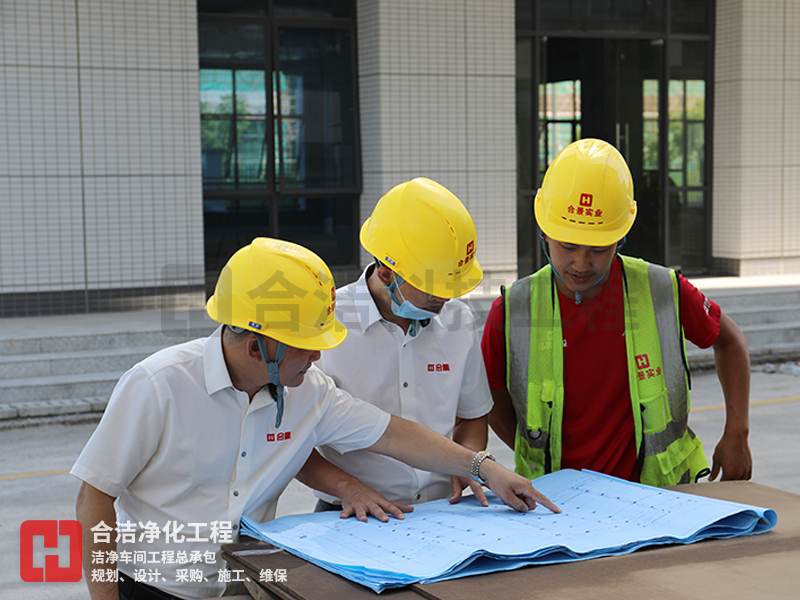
559 119
638 75
279 127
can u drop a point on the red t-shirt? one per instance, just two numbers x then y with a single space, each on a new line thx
598 430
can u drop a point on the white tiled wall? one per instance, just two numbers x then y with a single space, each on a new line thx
437 100
100 183
757 125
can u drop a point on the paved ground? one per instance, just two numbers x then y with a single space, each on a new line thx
34 483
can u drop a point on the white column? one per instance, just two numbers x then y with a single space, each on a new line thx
437 88
756 132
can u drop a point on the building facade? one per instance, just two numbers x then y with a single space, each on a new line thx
142 142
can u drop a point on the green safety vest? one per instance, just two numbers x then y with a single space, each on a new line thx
668 452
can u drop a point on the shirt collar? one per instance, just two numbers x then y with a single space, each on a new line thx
364 303
216 371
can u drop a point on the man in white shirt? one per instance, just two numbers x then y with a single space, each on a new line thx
201 433
411 349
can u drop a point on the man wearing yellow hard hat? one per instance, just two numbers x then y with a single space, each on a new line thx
412 350
199 434
586 357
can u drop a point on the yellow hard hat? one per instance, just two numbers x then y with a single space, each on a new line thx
281 290
421 231
586 197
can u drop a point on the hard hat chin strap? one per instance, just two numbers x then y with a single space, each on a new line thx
546 251
273 373
578 295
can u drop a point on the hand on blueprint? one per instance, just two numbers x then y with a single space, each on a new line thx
461 483
361 500
423 448
514 490
732 456
357 498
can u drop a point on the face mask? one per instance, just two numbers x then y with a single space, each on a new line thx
405 309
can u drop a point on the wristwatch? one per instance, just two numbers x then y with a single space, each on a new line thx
475 472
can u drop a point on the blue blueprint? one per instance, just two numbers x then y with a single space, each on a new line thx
602 515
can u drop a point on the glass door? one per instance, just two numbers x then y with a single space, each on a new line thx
687 182
609 89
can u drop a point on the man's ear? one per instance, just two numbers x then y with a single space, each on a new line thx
384 274
253 349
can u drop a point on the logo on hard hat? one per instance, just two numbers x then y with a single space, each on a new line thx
391 262
332 307
585 208
470 254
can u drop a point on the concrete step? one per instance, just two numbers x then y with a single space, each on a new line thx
759 316
60 358
58 387
101 341
759 298
52 408
53 361
774 353
20 366
770 334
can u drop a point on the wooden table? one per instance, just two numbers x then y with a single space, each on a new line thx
750 567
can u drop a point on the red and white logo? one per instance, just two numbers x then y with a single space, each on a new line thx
470 254
281 436
438 367
52 571
642 362
586 200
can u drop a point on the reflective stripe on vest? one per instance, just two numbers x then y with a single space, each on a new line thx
665 296
667 449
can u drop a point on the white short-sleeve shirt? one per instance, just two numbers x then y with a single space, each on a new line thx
430 378
179 445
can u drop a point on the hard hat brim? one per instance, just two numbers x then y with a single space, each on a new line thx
313 340
569 234
457 287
